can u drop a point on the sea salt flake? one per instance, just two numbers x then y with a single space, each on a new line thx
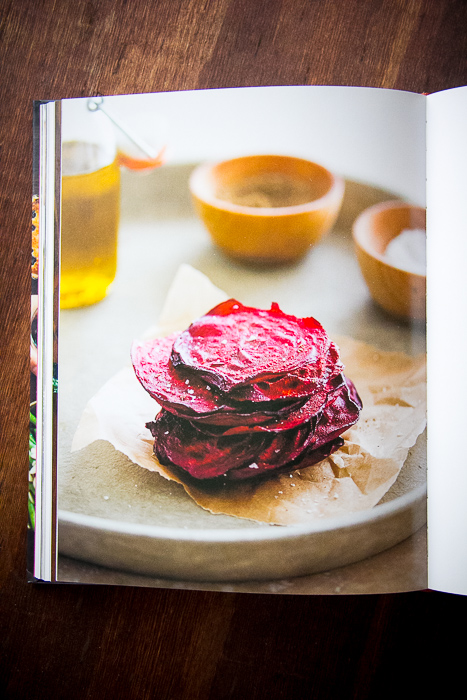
407 251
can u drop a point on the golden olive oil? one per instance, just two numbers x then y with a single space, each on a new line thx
89 224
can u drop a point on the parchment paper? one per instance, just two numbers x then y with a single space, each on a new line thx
393 390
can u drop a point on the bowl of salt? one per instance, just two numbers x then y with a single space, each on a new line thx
390 242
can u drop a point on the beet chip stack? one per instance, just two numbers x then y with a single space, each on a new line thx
245 391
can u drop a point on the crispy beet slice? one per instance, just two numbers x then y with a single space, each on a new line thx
307 459
235 346
243 455
184 393
178 442
244 414
301 382
151 362
340 413
312 408
333 414
309 410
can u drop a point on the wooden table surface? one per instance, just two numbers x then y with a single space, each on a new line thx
68 641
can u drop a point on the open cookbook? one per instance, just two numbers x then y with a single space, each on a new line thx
232 326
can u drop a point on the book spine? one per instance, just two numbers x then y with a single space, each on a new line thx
44 325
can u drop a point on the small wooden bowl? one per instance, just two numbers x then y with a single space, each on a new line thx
400 293
266 209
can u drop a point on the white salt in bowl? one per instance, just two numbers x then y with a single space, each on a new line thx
401 292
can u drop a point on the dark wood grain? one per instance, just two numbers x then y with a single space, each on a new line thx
109 642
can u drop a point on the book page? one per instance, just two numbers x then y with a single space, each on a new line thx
447 338
140 259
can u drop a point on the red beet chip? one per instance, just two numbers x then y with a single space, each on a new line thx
235 346
298 383
277 424
206 455
178 442
341 412
307 459
174 388
245 413
313 407
186 394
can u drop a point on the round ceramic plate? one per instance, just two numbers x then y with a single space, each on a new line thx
116 514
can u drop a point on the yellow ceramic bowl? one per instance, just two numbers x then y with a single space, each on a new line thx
401 293
266 209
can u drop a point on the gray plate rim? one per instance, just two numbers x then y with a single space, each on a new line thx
268 532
